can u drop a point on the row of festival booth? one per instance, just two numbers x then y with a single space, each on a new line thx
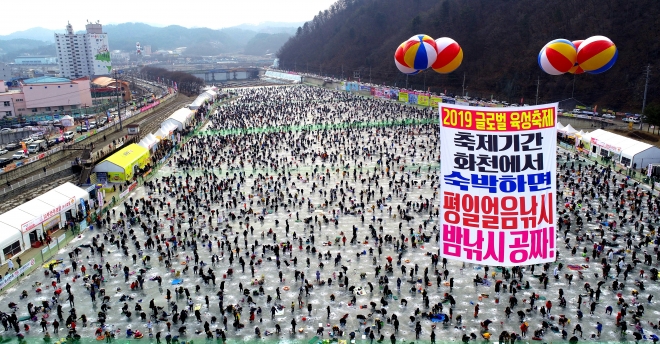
35 223
134 159
622 150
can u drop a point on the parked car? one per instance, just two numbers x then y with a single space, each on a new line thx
28 140
12 145
608 115
19 155
53 142
4 162
4 130
3 151
68 135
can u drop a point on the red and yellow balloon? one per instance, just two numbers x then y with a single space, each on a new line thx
421 52
593 55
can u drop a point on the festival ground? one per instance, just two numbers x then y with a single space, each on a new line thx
309 186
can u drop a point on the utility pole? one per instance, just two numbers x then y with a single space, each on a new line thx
118 83
538 82
463 84
342 72
646 87
369 74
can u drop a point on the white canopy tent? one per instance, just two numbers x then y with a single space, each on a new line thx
568 130
149 142
560 126
180 118
66 121
166 129
37 215
143 143
624 150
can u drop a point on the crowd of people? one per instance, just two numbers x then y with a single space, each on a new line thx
276 230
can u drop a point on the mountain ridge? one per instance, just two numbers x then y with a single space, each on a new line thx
199 41
500 40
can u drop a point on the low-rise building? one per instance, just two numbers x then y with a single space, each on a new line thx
45 96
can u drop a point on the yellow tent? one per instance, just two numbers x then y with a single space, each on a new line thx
122 165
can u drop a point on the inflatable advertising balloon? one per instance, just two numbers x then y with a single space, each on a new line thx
400 61
576 67
450 55
416 54
557 57
596 54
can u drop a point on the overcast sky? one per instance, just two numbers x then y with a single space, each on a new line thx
212 14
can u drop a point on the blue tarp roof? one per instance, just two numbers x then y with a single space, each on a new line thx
45 80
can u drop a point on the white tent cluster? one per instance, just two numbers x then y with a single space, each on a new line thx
149 142
21 226
176 121
623 150
566 130
208 95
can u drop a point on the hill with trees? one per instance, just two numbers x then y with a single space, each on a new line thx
501 40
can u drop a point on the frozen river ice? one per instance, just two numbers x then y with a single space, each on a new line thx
375 154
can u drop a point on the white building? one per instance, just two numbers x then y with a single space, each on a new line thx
86 54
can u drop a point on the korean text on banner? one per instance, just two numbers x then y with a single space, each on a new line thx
403 96
435 101
423 100
498 184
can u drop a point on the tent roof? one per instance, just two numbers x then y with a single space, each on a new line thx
628 146
152 137
36 207
53 199
560 126
166 127
127 155
160 133
569 129
199 101
15 218
71 190
181 115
